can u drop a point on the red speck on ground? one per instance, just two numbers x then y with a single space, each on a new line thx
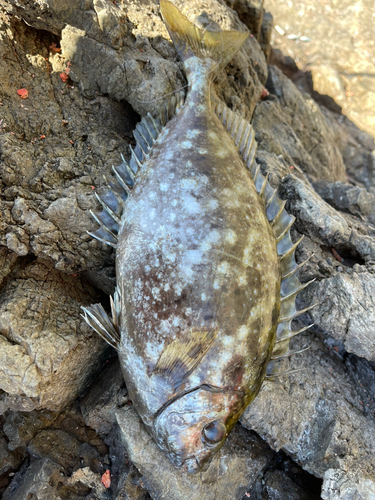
264 94
92 187
106 479
63 77
23 93
54 48
336 255
42 137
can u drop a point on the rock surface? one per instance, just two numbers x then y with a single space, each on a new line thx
317 417
231 474
47 352
91 69
336 43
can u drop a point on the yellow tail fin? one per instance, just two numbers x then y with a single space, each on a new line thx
190 40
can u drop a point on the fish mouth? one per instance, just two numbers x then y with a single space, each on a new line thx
191 465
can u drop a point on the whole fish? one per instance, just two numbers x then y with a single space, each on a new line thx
206 274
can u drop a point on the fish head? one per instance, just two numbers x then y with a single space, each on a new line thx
193 427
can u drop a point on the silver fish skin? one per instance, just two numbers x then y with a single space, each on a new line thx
196 316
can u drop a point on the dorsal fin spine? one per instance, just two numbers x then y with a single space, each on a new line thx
243 136
146 132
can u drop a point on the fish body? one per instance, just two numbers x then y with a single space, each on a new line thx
196 315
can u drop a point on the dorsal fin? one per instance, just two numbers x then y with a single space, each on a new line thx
242 134
119 188
180 358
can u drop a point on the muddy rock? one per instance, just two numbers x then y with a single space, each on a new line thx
325 225
348 198
118 50
340 486
47 352
316 416
231 474
300 140
277 486
60 446
347 309
334 42
100 404
38 481
10 461
251 13
21 427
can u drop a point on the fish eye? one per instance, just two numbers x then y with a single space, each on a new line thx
214 432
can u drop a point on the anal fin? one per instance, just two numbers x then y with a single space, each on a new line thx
108 328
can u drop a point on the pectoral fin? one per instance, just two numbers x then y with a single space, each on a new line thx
180 358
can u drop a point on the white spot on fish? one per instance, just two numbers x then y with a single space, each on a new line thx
203 296
186 145
213 204
191 205
223 268
176 321
230 237
242 332
213 236
192 133
187 272
164 186
189 184
166 287
171 257
194 256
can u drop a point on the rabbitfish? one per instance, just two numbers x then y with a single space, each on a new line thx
206 274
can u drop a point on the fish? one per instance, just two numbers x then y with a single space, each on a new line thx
206 276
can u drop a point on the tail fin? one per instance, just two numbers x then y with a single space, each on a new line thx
190 40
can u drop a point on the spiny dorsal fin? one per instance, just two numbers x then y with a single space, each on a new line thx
108 328
243 136
180 358
145 134
189 40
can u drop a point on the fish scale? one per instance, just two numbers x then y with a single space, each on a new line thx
205 266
